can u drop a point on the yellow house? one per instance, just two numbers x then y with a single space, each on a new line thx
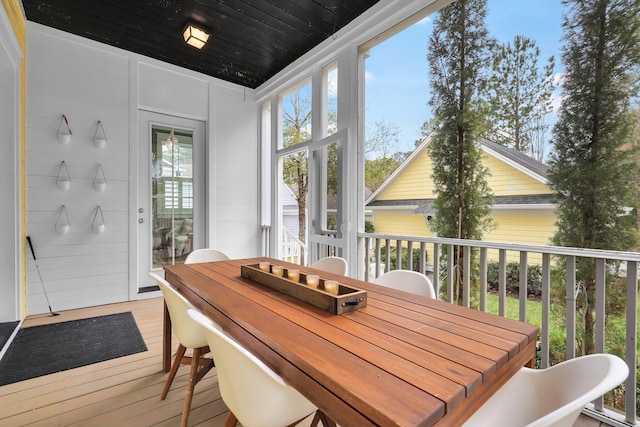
523 211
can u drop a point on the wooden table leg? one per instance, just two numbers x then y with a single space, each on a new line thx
166 342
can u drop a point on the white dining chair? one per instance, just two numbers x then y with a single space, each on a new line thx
408 281
205 255
189 335
332 264
255 395
551 397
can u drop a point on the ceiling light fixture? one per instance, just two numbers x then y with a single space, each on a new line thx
195 36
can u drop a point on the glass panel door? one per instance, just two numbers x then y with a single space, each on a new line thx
171 194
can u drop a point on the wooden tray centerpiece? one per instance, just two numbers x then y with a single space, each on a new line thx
347 300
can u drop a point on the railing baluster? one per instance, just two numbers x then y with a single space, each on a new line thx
631 353
398 254
502 282
523 291
571 307
483 279
546 305
378 252
600 315
367 263
466 280
436 268
423 258
409 255
387 261
450 273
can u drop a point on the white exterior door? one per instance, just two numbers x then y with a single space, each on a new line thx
171 202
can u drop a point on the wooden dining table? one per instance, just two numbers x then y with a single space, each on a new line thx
402 360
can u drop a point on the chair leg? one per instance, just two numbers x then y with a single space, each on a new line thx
174 369
231 420
322 417
193 379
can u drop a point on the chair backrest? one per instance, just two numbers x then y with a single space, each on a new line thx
188 333
205 255
255 394
408 281
553 396
332 264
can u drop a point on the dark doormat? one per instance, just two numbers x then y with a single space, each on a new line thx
6 329
46 349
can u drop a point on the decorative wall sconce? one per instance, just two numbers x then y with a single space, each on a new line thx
63 180
64 133
98 221
62 223
195 36
100 137
100 181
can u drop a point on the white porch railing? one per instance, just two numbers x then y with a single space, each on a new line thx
292 248
429 253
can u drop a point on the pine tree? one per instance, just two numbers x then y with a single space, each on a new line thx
519 95
592 171
458 57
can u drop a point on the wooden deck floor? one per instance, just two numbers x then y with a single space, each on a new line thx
123 391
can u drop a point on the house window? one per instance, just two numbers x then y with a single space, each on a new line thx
330 98
296 114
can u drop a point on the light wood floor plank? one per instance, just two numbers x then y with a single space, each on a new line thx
122 391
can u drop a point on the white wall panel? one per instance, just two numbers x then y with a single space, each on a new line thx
170 92
87 82
234 158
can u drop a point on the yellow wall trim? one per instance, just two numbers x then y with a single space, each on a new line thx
13 8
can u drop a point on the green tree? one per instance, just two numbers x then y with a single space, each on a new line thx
296 129
519 95
382 157
592 171
458 57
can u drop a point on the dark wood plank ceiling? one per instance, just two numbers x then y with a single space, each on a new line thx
251 39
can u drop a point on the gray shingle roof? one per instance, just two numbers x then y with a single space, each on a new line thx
425 206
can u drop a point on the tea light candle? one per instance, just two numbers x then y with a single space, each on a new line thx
277 270
265 266
331 286
293 275
313 280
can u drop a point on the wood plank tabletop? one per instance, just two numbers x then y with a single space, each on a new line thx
401 360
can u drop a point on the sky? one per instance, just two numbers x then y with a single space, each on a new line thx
397 69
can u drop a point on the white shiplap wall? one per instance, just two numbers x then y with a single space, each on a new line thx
87 82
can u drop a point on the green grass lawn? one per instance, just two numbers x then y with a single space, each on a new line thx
614 328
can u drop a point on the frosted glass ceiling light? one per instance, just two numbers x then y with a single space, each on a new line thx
195 36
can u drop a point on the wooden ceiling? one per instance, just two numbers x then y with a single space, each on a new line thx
251 40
